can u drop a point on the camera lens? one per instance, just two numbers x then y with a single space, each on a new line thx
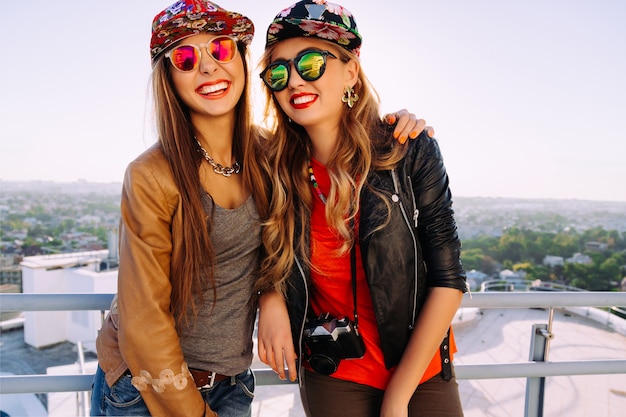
323 364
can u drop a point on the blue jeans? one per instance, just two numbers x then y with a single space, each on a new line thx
228 398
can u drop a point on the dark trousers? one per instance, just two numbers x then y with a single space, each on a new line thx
323 396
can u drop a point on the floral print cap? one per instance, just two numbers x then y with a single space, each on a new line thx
192 17
317 18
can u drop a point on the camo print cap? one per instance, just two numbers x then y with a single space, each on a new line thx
316 18
193 17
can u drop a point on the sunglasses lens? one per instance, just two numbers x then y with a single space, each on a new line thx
185 58
276 76
311 66
223 49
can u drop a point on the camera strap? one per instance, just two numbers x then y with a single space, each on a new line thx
353 269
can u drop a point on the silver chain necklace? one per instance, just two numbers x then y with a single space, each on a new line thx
219 168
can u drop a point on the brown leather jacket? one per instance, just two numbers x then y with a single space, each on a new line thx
139 333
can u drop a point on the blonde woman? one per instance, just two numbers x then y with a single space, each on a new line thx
362 276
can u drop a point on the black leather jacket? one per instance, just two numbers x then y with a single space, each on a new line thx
419 247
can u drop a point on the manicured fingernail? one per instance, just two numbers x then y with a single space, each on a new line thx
391 118
395 135
402 139
413 134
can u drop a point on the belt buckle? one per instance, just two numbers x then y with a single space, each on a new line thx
210 383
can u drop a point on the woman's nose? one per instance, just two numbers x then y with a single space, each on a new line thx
295 80
207 63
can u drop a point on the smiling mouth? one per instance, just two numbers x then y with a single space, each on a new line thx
213 88
300 100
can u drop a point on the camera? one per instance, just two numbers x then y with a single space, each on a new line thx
329 340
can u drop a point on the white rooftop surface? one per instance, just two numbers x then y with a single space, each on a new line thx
58 261
503 336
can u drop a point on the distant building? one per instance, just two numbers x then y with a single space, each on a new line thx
10 273
79 272
9 289
507 274
579 258
553 261
475 278
19 234
597 246
89 219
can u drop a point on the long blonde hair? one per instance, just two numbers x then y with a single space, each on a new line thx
192 266
363 145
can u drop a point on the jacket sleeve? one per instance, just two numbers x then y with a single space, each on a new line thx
437 230
148 339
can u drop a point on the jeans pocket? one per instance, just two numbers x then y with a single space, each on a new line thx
246 381
123 394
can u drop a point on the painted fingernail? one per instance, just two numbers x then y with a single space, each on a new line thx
395 135
402 139
391 118
413 134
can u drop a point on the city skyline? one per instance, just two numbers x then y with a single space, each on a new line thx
528 100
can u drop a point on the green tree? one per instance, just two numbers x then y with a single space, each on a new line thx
541 272
489 265
512 245
523 266
472 259
564 244
610 270
577 275
36 231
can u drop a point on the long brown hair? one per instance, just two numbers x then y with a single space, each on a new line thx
192 267
363 145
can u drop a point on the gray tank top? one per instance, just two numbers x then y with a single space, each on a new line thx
221 340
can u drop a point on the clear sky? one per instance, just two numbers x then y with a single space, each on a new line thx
527 98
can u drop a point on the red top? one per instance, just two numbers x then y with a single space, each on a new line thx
332 276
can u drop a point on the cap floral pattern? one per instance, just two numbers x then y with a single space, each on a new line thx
192 17
316 18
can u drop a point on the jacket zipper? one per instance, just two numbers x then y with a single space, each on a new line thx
416 215
408 223
416 211
306 312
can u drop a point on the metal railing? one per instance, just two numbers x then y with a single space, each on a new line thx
534 370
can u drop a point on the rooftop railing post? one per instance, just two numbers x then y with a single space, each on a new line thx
535 386
83 397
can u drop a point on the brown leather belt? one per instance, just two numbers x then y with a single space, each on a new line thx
206 379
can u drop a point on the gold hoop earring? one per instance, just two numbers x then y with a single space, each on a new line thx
349 96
